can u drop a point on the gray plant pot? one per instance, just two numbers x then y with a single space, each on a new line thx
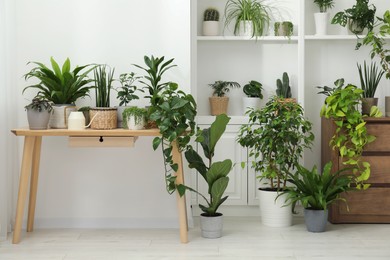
367 103
316 220
38 120
211 227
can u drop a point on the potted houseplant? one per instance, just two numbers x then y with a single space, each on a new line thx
219 101
126 93
253 95
106 116
360 16
276 137
211 22
38 113
174 115
215 173
321 19
369 81
285 28
134 118
283 89
317 191
61 86
251 17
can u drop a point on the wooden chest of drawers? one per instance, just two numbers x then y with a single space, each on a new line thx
373 204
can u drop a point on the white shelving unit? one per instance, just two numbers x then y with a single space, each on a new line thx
310 61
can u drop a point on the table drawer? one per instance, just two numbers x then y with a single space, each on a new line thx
102 141
382 141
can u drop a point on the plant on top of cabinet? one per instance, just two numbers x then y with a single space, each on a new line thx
211 22
285 28
321 19
276 137
378 43
174 115
126 93
134 118
253 95
38 113
351 133
283 88
60 86
251 17
215 173
360 16
317 191
106 116
369 81
219 102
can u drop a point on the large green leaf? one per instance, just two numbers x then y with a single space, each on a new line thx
218 170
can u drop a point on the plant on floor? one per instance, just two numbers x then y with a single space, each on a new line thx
276 136
214 173
378 42
253 89
174 115
360 16
155 68
324 5
283 88
351 133
60 85
256 12
127 91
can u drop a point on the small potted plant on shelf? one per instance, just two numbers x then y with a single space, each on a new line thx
285 28
321 19
61 86
283 89
126 93
251 17
369 81
360 16
317 191
134 118
276 137
214 173
253 95
211 22
106 116
219 101
38 113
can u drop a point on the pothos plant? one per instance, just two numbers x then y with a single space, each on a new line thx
351 133
174 115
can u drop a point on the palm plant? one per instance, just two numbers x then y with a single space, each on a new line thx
104 77
220 88
60 85
324 5
254 11
369 79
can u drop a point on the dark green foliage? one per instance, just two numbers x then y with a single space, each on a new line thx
127 91
369 79
211 14
324 5
283 88
60 86
253 89
220 88
138 113
103 78
39 104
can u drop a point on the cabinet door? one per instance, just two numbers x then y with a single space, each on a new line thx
228 148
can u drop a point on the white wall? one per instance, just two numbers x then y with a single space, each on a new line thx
101 187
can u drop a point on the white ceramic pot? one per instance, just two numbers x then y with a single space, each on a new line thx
59 118
246 28
250 102
132 124
273 212
210 28
321 22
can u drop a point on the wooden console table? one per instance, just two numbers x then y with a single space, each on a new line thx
30 168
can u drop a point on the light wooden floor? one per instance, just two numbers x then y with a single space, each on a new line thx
244 238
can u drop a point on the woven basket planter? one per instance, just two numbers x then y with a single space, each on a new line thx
106 117
218 105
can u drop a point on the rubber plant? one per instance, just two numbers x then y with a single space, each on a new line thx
174 115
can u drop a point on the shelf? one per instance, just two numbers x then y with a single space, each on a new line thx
332 37
248 38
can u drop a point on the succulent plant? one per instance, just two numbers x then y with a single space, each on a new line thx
253 89
211 14
283 87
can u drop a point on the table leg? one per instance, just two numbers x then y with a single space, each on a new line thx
25 171
34 183
181 201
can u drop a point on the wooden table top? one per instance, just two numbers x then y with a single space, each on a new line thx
86 132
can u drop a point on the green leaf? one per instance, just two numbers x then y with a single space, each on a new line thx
156 142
